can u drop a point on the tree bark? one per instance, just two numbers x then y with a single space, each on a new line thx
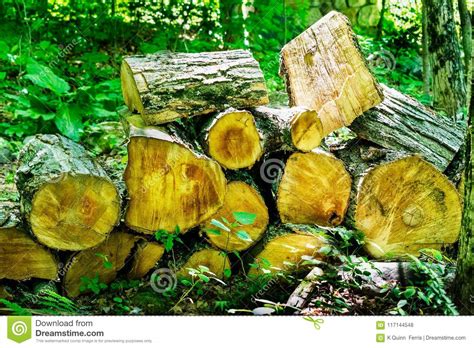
167 86
67 198
448 84
466 33
425 53
403 124
326 72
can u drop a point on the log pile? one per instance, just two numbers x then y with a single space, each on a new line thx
200 139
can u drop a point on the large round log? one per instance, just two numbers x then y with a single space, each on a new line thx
170 185
166 86
216 261
145 258
98 265
314 189
240 197
68 200
405 205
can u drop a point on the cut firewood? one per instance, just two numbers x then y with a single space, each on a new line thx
233 140
287 252
145 258
166 86
325 71
314 189
401 123
170 185
216 261
240 197
98 265
300 297
406 205
289 128
21 258
67 198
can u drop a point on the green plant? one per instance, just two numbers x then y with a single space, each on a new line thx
240 219
168 239
93 284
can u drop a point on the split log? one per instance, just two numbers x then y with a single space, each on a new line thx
21 258
216 261
99 264
405 205
289 128
325 71
314 189
166 86
240 197
169 183
68 199
287 253
145 258
401 123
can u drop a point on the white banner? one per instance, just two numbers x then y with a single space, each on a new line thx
236 331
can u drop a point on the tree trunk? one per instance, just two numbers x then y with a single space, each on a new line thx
167 86
403 124
98 265
405 205
325 71
21 258
465 264
466 32
448 84
240 197
314 189
68 200
425 53
170 185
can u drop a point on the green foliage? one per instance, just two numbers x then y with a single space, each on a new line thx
240 219
168 239
93 284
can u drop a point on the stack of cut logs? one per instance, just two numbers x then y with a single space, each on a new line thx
201 140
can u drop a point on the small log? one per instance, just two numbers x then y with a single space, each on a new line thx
233 140
325 71
166 86
401 123
216 261
101 263
240 197
287 253
145 258
170 184
21 258
68 200
405 205
289 128
314 189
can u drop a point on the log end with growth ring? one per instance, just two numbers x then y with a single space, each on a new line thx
145 258
169 185
287 252
21 258
407 205
216 261
234 141
314 189
240 197
306 130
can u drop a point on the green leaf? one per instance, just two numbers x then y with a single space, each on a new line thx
409 292
245 218
227 273
325 250
118 299
3 74
4 49
213 231
402 303
204 278
44 77
108 265
219 224
68 120
244 236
